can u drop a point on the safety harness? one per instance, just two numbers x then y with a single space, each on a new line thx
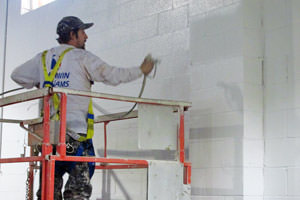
49 77
88 144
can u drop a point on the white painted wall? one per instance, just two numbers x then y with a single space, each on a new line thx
282 35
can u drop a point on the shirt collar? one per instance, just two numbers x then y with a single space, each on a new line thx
67 45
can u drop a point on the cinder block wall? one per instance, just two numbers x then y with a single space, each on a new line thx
217 54
282 164
229 111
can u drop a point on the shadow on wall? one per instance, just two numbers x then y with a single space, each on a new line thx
220 168
108 175
216 138
232 94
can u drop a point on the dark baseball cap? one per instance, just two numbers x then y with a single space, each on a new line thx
70 23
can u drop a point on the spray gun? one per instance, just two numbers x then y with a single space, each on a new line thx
155 62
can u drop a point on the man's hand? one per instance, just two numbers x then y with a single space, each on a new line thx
147 65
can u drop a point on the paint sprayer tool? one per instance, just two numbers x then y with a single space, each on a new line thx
155 61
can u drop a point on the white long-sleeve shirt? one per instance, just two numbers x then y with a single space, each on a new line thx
78 69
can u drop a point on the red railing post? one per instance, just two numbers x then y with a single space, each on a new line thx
61 147
187 173
181 135
30 177
105 139
46 146
49 181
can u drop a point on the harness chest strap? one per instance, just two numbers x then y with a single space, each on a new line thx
49 77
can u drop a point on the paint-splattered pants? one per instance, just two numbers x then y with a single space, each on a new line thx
78 186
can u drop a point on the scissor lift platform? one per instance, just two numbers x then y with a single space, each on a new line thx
160 173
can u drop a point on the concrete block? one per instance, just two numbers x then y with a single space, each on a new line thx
131 54
211 126
135 31
253 97
293 94
197 7
276 69
198 121
157 6
231 17
276 97
111 184
173 20
217 182
131 11
13 144
252 14
276 123
214 4
210 153
295 18
180 88
196 74
279 37
209 77
179 3
144 28
293 59
104 20
9 183
253 125
206 49
275 181
155 91
218 100
293 181
173 65
131 184
275 14
214 22
228 119
219 36
253 70
293 116
167 44
253 42
220 21
253 181
19 169
231 70
276 153
253 155
95 6
282 152
233 43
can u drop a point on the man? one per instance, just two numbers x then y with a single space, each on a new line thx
70 66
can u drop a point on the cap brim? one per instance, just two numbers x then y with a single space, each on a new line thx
86 26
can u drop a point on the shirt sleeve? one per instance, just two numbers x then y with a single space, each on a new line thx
27 74
100 71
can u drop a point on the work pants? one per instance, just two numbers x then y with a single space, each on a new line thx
78 186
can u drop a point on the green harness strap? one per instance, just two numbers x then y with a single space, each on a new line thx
49 77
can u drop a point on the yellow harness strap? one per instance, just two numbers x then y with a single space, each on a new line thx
49 77
90 124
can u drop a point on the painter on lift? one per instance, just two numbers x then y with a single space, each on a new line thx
70 66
